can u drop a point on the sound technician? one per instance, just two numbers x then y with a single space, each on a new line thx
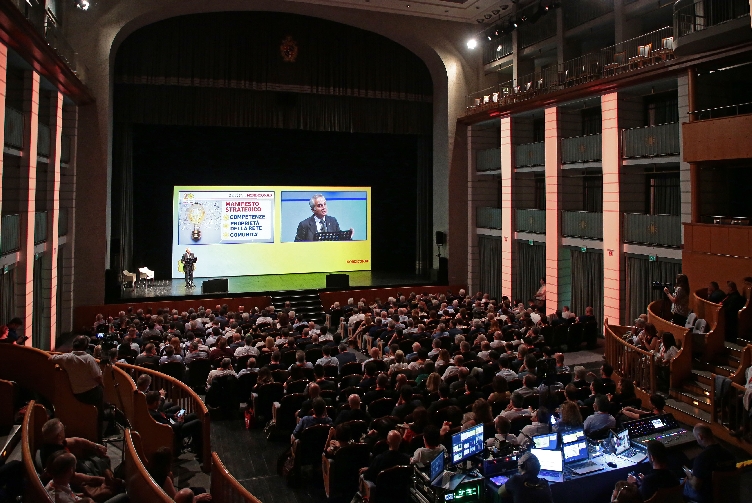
526 487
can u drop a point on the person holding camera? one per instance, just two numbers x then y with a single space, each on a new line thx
679 300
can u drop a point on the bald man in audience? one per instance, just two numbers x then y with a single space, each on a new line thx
354 412
386 460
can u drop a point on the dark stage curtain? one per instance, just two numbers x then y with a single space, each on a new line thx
587 283
204 106
38 331
641 273
424 207
531 267
245 50
489 249
122 174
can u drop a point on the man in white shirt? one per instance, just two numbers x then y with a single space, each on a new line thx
83 372
455 368
225 368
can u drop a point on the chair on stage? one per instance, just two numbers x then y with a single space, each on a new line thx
146 273
129 279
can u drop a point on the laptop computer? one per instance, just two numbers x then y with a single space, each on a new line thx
552 464
623 447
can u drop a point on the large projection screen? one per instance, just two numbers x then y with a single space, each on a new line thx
246 231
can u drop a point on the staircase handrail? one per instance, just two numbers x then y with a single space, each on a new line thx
629 361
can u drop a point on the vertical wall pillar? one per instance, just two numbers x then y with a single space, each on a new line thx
27 200
67 201
553 207
3 90
613 260
507 207
689 173
50 272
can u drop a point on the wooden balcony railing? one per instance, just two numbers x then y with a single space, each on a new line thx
51 382
715 315
31 440
224 487
138 483
179 394
630 362
729 410
681 365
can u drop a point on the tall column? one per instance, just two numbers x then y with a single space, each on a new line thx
67 201
553 207
507 207
50 271
3 89
689 173
613 260
27 200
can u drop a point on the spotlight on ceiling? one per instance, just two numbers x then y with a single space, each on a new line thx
472 44
82 4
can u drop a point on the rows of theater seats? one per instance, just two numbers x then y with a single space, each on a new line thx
28 371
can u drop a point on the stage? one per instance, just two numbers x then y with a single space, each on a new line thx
244 285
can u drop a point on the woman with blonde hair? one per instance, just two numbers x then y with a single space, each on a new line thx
268 345
571 417
399 362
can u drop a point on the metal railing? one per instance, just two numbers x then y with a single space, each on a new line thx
530 154
37 16
65 149
497 48
40 227
531 33
488 218
10 239
532 220
581 149
488 160
651 141
724 111
62 222
582 224
14 124
630 55
575 15
660 230
702 14
43 140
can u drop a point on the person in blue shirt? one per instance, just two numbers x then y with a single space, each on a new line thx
600 419
319 417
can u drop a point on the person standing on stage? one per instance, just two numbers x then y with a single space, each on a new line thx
188 260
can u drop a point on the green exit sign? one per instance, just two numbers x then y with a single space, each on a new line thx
530 242
652 258
583 249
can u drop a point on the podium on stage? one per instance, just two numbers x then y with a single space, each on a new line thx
333 236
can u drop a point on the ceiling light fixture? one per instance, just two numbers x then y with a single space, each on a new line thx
82 4
472 44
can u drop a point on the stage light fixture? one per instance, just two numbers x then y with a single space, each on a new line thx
472 44
82 4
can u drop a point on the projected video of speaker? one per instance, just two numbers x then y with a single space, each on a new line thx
239 231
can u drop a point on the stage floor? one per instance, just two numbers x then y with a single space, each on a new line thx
273 283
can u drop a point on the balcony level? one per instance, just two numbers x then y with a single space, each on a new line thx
703 25
652 230
582 224
725 138
530 220
488 218
630 57
647 143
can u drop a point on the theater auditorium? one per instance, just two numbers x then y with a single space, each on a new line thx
376 251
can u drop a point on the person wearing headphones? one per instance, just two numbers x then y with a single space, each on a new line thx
526 487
